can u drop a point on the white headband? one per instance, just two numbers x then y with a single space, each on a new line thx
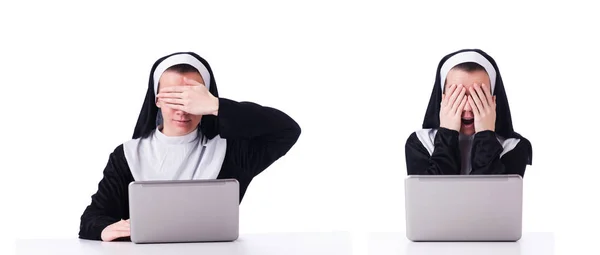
468 56
181 59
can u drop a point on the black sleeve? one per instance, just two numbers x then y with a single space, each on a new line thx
445 159
109 204
257 135
486 156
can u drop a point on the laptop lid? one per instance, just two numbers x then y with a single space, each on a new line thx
464 207
184 211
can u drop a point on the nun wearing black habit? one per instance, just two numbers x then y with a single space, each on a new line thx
467 128
184 132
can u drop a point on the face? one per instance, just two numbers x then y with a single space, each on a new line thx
176 122
467 79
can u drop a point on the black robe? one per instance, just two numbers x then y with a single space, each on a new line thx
256 137
446 157
486 149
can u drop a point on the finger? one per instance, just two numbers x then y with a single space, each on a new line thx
172 101
118 234
454 95
122 228
482 97
451 90
112 235
458 100
476 100
461 106
488 93
170 95
448 92
473 106
191 82
175 89
176 106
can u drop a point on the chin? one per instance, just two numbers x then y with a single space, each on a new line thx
181 129
468 132
185 130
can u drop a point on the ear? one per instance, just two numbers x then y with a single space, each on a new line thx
494 99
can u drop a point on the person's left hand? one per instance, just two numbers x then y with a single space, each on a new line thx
484 107
192 97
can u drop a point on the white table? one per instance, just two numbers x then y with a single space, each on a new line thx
397 243
263 244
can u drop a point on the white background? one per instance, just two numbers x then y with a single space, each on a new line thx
356 76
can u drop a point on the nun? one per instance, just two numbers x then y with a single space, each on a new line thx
467 128
185 131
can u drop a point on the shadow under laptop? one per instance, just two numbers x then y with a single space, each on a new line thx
535 243
463 248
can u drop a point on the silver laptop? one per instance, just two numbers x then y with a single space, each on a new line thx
184 211
464 207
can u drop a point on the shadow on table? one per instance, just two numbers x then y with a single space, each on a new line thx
396 243
333 243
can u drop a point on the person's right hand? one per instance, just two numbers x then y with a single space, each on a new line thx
116 230
453 103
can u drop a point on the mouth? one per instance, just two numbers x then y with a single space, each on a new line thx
467 122
182 121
